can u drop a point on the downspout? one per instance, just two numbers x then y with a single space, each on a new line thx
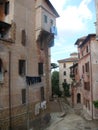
10 113
91 79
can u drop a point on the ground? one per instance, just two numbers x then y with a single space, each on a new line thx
68 119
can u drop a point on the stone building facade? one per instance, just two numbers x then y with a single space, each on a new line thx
76 87
64 69
27 29
88 73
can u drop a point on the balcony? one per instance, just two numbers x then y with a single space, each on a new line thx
45 37
4 28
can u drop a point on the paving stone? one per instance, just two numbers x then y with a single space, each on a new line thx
71 121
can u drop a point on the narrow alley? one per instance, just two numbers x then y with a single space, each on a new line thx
68 119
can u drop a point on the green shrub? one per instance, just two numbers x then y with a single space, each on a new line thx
95 103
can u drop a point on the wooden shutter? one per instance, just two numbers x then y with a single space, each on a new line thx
23 96
7 8
40 68
23 37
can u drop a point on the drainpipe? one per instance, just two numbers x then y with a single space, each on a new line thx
10 113
91 79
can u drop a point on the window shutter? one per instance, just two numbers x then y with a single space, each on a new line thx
40 68
7 8
22 67
23 96
23 37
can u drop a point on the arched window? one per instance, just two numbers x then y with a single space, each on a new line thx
1 71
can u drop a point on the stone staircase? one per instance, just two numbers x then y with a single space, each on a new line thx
85 115
78 109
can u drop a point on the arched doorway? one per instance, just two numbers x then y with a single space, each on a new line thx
78 98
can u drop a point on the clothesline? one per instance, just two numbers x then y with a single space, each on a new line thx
32 80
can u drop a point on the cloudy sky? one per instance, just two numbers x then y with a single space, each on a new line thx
76 19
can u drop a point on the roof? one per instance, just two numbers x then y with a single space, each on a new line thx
74 53
74 65
71 59
80 40
87 39
84 39
53 9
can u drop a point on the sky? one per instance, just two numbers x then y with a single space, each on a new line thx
77 18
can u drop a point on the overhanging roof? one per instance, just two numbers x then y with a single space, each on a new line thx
53 9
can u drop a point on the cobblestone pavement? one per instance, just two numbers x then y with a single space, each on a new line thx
70 120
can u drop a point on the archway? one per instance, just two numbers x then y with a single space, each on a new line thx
78 98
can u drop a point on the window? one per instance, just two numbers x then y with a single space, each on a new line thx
87 85
1 71
87 67
64 65
22 67
7 8
64 72
23 92
87 49
40 68
82 53
64 80
42 93
51 21
83 68
23 37
45 19
76 71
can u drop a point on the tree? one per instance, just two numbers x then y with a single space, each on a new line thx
54 65
55 83
66 89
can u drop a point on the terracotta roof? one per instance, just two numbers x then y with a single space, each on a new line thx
71 59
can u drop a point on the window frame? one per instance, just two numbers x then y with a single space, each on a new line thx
6 7
22 67
45 19
23 95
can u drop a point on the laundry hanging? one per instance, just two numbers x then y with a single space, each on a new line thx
32 80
